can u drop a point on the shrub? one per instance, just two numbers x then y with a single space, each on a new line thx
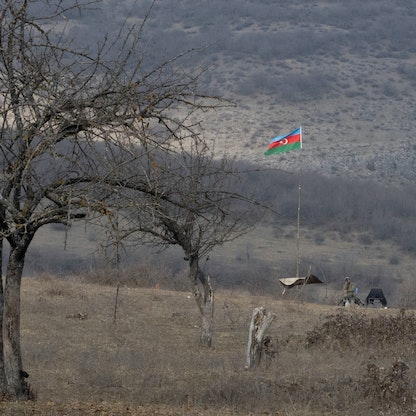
346 329
387 388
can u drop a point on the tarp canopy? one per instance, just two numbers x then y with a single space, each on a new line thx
290 282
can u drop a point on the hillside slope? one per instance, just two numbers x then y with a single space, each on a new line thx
343 70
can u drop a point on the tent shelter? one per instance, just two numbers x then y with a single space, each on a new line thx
376 295
289 282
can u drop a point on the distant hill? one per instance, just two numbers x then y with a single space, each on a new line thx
343 70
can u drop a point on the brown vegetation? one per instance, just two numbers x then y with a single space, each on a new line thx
326 360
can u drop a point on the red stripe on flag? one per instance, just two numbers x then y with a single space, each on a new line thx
287 140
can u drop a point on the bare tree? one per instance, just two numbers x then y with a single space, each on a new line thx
65 114
187 197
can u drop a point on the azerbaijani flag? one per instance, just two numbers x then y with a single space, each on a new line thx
285 143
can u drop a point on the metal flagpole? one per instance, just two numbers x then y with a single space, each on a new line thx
279 144
298 226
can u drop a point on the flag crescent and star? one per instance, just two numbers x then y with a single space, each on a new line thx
285 143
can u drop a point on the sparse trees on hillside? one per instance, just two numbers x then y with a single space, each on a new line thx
66 114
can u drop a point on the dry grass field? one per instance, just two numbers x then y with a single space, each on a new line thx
344 72
326 360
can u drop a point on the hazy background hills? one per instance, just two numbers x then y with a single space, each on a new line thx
343 70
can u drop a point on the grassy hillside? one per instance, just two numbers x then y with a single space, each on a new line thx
344 71
253 262
326 360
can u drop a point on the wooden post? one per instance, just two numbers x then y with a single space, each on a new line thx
260 322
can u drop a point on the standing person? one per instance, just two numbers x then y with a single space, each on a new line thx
348 291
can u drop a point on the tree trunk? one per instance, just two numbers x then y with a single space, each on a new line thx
204 300
16 385
3 381
260 322
207 314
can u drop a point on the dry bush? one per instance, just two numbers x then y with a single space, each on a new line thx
382 344
346 330
388 388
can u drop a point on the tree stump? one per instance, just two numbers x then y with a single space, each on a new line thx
260 322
